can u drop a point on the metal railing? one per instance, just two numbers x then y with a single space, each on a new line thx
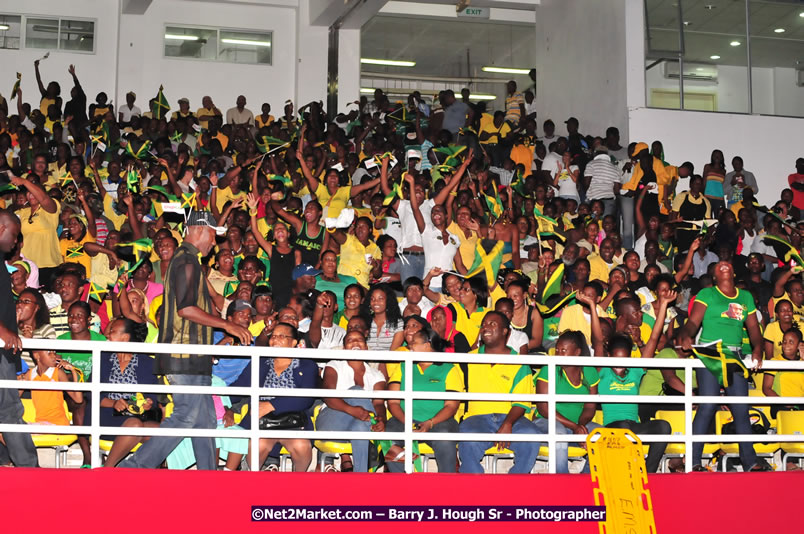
254 392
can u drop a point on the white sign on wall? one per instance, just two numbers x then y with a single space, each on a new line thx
474 13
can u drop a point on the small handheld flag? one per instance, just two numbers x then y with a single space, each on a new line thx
16 86
160 105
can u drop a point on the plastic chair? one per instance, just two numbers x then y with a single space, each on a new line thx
58 442
677 450
732 450
791 422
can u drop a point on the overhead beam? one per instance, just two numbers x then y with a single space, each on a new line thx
136 7
349 14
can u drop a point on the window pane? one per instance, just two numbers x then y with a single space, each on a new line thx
9 32
245 47
777 57
41 33
191 43
661 27
77 35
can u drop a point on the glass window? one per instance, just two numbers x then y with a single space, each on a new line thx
10 32
77 35
41 33
197 43
245 47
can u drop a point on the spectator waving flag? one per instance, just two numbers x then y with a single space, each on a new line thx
140 250
139 149
488 259
494 203
266 144
553 285
97 293
396 191
718 362
160 106
134 180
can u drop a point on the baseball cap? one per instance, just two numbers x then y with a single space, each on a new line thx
304 269
205 218
185 100
413 153
240 305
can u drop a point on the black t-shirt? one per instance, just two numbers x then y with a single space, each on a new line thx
8 314
77 107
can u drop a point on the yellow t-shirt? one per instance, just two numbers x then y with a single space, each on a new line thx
203 115
262 123
468 244
109 212
469 325
495 133
41 242
787 383
333 205
499 378
573 318
598 268
77 256
225 195
46 103
353 259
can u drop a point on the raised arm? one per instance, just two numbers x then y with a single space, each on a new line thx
649 349
312 181
453 183
284 214
778 287
359 188
93 164
685 267
253 202
414 207
47 203
39 78
384 186
91 226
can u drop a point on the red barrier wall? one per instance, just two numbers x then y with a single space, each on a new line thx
127 500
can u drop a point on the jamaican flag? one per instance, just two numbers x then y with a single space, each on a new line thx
97 293
719 362
8 188
447 157
176 136
16 86
75 252
552 307
400 114
66 179
494 203
134 181
189 201
518 185
139 149
783 249
396 191
266 143
229 289
391 159
488 259
553 284
160 106
139 249
555 236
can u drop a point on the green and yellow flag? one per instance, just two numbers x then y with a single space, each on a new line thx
541 216
160 106
134 181
141 249
487 262
140 153
494 203
97 293
447 157
189 201
75 252
176 136
16 86
266 143
65 179
549 309
719 362
229 289
396 191
163 191
553 284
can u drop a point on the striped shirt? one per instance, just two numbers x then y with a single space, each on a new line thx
603 174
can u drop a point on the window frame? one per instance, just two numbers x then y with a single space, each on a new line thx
218 30
24 32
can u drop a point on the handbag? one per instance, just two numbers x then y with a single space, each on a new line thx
285 421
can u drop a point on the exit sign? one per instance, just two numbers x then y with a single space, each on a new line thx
475 13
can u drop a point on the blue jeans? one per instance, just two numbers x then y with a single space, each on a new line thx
445 456
472 452
627 215
709 386
336 420
609 206
19 447
562 448
412 265
189 411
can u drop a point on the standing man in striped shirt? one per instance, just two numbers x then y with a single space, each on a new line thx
602 179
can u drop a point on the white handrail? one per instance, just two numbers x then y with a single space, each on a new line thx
254 392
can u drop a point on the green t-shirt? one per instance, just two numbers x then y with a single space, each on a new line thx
653 379
81 360
336 287
724 317
611 384
437 377
571 410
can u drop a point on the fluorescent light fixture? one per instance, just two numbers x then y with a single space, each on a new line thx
367 90
506 70
778 30
387 62
246 42
176 37
714 57
480 96
735 43
801 14
3 27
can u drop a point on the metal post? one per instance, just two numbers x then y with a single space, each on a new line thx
332 71
409 370
254 401
687 417
680 56
748 56
551 417
94 444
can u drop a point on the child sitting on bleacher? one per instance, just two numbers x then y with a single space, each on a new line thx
49 405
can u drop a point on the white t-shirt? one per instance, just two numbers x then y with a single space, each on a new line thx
128 113
436 253
748 242
550 163
516 339
424 305
346 376
566 187
410 231
332 337
393 228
